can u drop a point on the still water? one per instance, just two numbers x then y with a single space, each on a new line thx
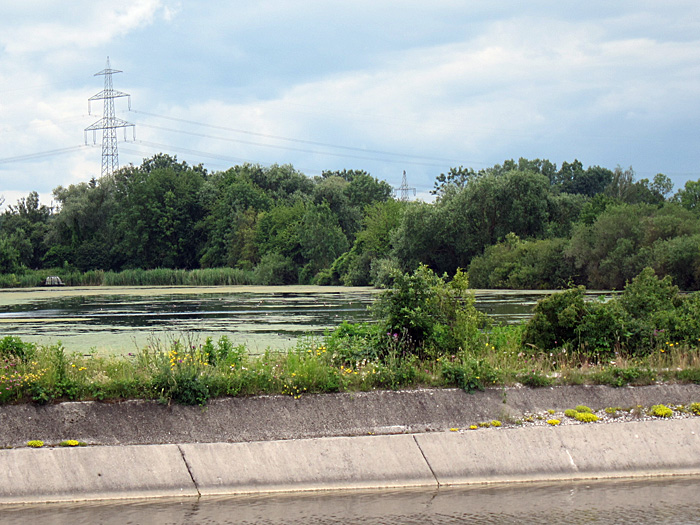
120 319
662 500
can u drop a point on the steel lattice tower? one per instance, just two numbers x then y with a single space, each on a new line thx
109 123
404 189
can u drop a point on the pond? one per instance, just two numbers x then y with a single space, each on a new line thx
120 319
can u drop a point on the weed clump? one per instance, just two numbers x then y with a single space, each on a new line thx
661 411
586 417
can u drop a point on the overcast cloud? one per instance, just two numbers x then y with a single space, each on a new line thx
384 86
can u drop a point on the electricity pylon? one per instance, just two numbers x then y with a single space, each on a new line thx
109 123
404 189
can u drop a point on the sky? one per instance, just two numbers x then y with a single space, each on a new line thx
382 86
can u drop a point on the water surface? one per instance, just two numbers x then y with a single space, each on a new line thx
120 319
661 500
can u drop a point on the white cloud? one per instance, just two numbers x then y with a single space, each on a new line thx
82 25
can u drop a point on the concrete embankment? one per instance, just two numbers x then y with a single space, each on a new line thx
617 450
415 450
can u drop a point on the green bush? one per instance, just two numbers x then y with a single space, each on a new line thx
469 374
535 379
14 348
556 320
648 312
429 313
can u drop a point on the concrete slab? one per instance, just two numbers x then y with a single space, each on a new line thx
496 455
570 452
639 448
73 474
310 464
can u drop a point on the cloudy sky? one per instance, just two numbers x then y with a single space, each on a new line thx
379 85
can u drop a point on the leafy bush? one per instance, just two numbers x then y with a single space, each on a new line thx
275 269
14 348
429 313
649 311
535 379
556 320
623 376
469 374
584 409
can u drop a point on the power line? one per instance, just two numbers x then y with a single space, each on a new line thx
289 148
299 141
38 155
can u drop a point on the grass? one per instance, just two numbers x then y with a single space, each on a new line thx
190 372
137 277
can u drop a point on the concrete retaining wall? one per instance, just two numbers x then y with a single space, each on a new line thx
616 450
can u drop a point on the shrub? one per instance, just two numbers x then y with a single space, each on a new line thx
14 348
496 423
556 319
623 376
570 412
649 310
35 443
689 375
429 313
553 422
695 408
584 409
535 379
469 374
275 269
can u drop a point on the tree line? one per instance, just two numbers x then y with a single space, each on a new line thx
522 224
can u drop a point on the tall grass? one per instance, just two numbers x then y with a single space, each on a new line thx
137 277
187 371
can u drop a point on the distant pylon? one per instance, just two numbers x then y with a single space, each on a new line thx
109 123
404 190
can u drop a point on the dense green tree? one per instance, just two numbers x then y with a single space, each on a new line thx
464 221
26 225
518 264
232 202
82 233
373 242
689 196
321 239
158 214
620 242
